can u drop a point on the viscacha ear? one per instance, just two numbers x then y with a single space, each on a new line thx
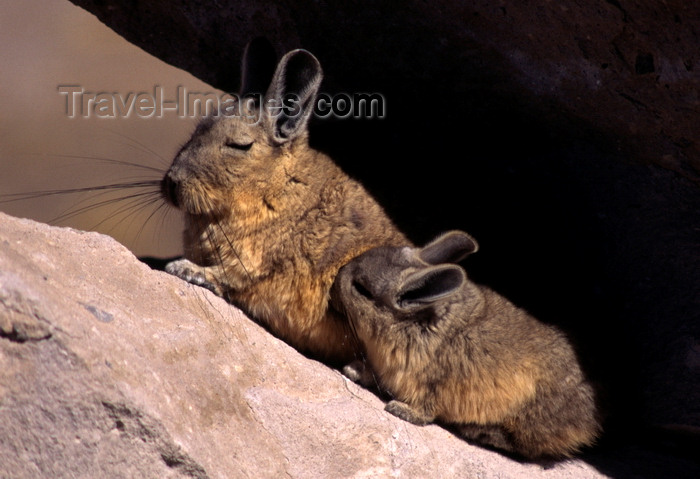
428 285
257 68
451 247
291 98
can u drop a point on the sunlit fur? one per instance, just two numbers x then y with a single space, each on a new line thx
470 359
272 224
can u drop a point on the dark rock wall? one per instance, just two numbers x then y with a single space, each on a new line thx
561 134
628 68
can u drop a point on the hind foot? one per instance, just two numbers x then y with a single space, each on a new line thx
408 413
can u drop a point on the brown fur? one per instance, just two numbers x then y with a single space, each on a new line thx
269 221
454 352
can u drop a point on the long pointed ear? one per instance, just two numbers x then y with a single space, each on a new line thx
429 285
451 247
290 100
257 68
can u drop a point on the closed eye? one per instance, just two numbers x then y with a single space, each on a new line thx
239 146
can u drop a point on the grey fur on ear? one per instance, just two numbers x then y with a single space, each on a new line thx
429 285
290 100
450 247
258 66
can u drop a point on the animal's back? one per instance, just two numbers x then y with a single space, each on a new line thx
553 410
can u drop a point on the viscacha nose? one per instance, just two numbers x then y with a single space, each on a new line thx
168 188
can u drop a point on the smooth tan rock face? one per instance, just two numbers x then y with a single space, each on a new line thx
110 369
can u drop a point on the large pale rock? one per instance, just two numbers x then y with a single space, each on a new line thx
110 369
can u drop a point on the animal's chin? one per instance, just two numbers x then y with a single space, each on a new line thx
201 217
197 215
191 201
202 207
195 210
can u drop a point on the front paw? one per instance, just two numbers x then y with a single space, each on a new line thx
407 413
190 272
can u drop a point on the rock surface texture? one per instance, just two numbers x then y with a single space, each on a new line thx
110 369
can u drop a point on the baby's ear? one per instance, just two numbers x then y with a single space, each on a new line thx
429 285
451 247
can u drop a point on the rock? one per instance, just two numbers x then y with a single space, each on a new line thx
110 369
